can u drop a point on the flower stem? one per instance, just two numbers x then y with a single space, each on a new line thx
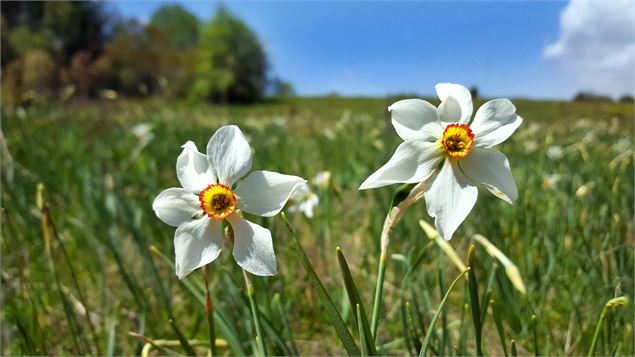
403 198
379 289
611 304
254 313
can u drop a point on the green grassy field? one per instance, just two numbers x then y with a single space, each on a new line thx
101 274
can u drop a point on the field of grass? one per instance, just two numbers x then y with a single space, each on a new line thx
105 270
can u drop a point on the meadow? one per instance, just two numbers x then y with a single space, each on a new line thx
85 262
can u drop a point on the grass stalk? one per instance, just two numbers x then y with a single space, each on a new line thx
534 330
251 292
209 314
184 342
426 339
474 303
611 304
336 319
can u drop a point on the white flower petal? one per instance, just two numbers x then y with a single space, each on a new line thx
253 248
415 119
175 206
450 111
413 161
197 243
449 199
264 193
491 168
229 154
193 170
461 94
494 122
304 201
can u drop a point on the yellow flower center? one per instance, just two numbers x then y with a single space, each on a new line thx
457 140
218 201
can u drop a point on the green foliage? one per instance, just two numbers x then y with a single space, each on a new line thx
22 39
231 63
571 241
60 27
179 26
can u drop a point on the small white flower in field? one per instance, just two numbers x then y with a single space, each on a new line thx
329 133
143 132
445 137
304 200
322 179
211 195
530 146
550 181
622 145
555 152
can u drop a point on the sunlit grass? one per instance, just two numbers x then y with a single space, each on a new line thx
570 238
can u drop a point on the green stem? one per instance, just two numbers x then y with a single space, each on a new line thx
209 314
379 289
474 303
254 313
597 330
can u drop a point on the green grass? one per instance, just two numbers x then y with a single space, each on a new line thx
572 241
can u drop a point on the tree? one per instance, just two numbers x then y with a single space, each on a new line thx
61 27
231 64
77 26
178 25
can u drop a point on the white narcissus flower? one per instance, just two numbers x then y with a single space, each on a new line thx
322 179
444 137
304 200
210 195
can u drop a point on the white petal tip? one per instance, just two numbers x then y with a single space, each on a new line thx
189 145
370 184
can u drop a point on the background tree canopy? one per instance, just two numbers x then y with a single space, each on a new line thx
84 48
179 26
231 63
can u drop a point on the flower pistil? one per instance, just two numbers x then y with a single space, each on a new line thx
218 201
457 140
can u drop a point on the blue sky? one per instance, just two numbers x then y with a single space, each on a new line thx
379 48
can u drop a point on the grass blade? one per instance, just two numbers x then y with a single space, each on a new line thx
405 329
277 304
336 320
499 324
414 334
220 317
534 330
112 335
426 339
179 335
255 313
368 342
209 315
611 304
474 303
360 328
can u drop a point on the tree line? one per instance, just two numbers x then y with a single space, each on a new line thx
67 49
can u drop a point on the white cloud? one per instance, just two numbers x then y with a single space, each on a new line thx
597 44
